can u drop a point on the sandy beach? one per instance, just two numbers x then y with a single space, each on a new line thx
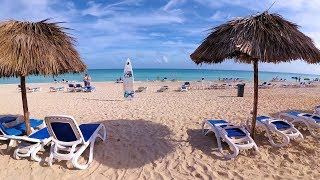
158 135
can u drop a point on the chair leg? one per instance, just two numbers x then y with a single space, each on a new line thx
91 151
219 143
235 150
50 158
104 133
203 131
285 138
34 155
202 127
77 156
10 145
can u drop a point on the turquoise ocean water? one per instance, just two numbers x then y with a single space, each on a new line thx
100 75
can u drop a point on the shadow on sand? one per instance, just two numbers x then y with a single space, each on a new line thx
133 143
207 144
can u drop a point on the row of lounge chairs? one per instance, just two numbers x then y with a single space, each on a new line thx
29 90
230 79
68 141
238 137
80 88
266 85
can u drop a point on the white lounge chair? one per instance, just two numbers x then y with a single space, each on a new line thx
141 89
71 88
29 146
163 88
69 140
312 121
282 127
237 137
79 88
12 126
187 84
317 110
183 88
54 89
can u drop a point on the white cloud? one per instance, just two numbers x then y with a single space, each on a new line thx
154 34
165 59
220 16
34 10
172 4
98 9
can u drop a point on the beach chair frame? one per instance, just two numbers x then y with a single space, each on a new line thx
302 118
28 147
286 134
72 150
243 143
4 136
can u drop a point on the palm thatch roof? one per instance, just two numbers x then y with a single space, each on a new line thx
37 48
265 37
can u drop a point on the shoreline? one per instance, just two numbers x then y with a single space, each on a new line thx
178 81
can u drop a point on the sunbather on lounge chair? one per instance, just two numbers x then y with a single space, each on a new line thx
282 127
312 121
69 140
237 137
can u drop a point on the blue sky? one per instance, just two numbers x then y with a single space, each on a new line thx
158 33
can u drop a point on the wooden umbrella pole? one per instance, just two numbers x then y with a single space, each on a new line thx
25 103
255 97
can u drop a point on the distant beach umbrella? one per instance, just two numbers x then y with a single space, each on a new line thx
36 48
259 38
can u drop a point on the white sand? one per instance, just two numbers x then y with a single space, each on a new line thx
158 135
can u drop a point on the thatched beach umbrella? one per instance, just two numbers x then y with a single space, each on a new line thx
260 38
36 48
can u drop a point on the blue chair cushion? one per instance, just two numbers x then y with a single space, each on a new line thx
281 124
88 130
235 132
278 124
214 122
260 118
7 119
232 132
316 118
20 129
64 132
41 134
293 113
